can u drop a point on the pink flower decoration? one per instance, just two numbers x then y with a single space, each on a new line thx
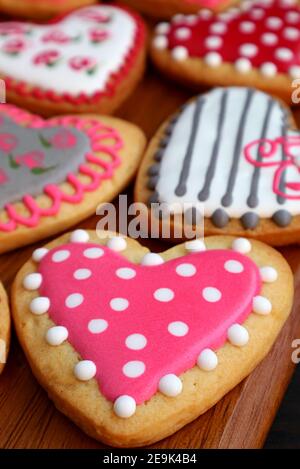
92 15
49 57
32 159
13 27
98 35
56 35
14 46
8 142
3 176
63 140
82 63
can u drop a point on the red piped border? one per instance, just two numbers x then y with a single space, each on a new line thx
21 87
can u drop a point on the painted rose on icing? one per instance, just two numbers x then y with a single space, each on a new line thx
50 58
8 142
97 16
14 46
3 176
63 140
98 35
31 160
56 35
87 64
13 28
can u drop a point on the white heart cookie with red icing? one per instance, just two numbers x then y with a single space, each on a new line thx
55 172
42 9
132 345
89 60
256 44
4 327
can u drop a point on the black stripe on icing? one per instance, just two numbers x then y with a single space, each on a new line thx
181 187
250 220
220 218
282 218
204 193
253 199
227 198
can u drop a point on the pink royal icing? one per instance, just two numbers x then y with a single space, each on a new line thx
140 323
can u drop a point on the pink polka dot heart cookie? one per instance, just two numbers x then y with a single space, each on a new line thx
127 342
256 44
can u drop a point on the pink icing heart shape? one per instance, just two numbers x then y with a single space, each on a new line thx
139 323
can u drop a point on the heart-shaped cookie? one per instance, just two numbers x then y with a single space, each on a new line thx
54 173
235 151
256 44
132 345
168 8
41 9
4 327
88 61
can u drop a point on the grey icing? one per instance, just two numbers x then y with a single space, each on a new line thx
220 218
21 180
282 218
192 216
250 220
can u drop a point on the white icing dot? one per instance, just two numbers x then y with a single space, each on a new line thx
125 273
268 274
268 69
178 328
82 274
96 326
287 3
273 22
117 243
262 305
291 33
247 27
182 33
249 50
292 17
151 258
243 65
119 304
213 42
177 18
269 39
234 267
207 360
124 407
213 59
218 28
93 253
238 335
257 13
134 369
283 53
40 305
61 256
294 71
196 245
85 370
191 19
136 342
80 236
164 294
241 245
74 300
162 28
32 281
160 42
56 335
39 253
211 294
170 385
186 270
180 53
205 14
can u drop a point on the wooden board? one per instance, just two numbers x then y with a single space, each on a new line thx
28 419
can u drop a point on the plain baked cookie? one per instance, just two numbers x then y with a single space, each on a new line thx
40 9
256 44
233 155
168 8
4 327
54 173
88 61
133 345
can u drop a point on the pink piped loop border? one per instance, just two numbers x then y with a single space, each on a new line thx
97 133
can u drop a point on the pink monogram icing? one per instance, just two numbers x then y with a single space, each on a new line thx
140 323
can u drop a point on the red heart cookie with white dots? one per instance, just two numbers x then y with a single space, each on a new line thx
255 44
133 328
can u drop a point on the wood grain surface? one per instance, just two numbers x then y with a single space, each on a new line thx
28 419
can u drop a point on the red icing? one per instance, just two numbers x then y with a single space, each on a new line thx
164 353
21 88
258 21
103 139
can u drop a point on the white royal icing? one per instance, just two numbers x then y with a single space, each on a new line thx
109 54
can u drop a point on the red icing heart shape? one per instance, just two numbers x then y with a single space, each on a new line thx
139 323
264 34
